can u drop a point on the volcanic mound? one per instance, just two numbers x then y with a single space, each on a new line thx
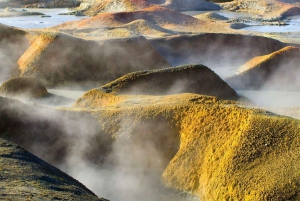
183 79
276 71
58 59
23 86
25 176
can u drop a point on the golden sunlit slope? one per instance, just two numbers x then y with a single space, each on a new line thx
197 79
226 152
23 86
13 43
224 50
213 148
272 8
56 58
26 177
276 71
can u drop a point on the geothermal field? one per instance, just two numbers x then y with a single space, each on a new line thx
150 100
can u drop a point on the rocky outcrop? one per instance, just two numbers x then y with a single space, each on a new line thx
275 71
23 86
81 61
183 79
186 5
27 176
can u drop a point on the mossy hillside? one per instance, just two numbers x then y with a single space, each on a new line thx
103 61
23 86
182 79
264 72
226 152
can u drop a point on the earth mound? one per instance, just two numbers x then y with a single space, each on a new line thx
212 148
226 151
211 16
26 176
92 8
276 71
197 79
183 5
155 15
81 60
23 86
13 43
275 9
224 50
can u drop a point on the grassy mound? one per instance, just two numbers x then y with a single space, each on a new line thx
183 79
58 59
275 71
23 86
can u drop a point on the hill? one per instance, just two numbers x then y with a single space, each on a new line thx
13 43
275 71
271 9
82 61
183 79
224 50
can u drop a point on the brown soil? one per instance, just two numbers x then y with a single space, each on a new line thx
275 71
60 59
184 79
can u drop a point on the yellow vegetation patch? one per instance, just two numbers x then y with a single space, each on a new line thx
225 152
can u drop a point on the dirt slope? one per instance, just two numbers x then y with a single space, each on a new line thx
59 59
276 71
